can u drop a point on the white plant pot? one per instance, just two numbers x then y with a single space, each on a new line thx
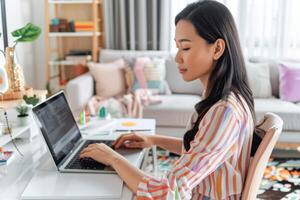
24 121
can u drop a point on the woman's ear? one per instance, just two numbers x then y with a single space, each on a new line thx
219 48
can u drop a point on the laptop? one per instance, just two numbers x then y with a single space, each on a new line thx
63 137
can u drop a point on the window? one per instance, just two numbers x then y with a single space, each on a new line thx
267 28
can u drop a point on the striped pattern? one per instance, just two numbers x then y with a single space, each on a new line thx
217 162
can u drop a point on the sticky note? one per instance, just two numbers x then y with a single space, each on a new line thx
128 124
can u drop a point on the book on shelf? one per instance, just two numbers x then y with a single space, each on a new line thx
82 59
84 26
79 52
6 157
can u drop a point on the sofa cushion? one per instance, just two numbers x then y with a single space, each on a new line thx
176 82
109 77
150 73
274 72
259 79
289 83
174 111
289 112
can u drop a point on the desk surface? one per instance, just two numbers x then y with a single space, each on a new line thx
15 177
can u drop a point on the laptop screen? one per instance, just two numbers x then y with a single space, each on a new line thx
58 126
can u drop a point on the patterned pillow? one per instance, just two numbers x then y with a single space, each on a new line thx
150 74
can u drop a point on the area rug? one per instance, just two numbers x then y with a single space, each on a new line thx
281 177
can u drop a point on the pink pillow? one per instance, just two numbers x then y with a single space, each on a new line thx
289 83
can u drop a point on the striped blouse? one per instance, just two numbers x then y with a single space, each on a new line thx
216 165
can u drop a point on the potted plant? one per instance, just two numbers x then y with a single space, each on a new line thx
16 81
31 100
23 115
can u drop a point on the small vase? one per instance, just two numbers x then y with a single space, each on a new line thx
14 71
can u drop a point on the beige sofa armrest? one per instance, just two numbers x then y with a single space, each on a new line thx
79 91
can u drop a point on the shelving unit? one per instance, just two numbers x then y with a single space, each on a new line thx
17 131
72 2
74 34
58 44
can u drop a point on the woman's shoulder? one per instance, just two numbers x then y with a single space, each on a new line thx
234 104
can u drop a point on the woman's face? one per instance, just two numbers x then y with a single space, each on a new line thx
194 56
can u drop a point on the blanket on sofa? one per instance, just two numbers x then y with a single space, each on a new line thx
128 105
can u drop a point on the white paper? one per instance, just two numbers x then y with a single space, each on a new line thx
136 124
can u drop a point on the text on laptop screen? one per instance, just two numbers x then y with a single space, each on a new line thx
58 126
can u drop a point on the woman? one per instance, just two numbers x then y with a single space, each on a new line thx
215 151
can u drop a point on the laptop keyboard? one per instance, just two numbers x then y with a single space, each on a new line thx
87 163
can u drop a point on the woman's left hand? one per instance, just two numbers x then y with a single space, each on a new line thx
100 152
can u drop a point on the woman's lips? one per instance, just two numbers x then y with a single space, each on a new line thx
182 71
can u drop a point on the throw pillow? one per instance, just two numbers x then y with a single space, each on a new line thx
289 82
150 74
110 78
259 79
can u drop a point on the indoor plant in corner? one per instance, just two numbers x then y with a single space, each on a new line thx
23 115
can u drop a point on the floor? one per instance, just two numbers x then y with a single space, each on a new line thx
281 178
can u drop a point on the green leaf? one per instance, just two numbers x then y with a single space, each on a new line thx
27 33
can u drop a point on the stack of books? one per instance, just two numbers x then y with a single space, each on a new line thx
84 26
79 56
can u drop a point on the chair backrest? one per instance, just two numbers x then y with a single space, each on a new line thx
272 127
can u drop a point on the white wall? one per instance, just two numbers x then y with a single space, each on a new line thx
38 18
30 55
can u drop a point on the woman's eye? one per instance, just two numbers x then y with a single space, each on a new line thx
185 49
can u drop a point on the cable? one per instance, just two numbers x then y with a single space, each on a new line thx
9 129
10 134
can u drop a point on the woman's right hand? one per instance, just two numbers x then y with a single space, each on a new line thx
133 140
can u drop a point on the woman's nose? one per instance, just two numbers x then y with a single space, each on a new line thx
178 58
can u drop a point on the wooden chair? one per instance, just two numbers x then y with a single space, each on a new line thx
270 129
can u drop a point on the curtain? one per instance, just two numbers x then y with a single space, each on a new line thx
267 28
270 28
137 24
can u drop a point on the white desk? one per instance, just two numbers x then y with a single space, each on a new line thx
15 177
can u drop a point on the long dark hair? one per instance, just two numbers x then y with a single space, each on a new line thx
212 21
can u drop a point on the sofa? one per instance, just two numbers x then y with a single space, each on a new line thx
173 113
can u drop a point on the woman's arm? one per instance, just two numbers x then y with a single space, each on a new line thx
172 144
104 154
137 140
131 175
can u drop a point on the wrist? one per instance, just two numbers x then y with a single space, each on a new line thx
115 160
152 139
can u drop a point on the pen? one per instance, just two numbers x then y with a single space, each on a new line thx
123 130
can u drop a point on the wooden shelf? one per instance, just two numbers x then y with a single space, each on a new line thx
67 62
73 34
64 42
72 1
